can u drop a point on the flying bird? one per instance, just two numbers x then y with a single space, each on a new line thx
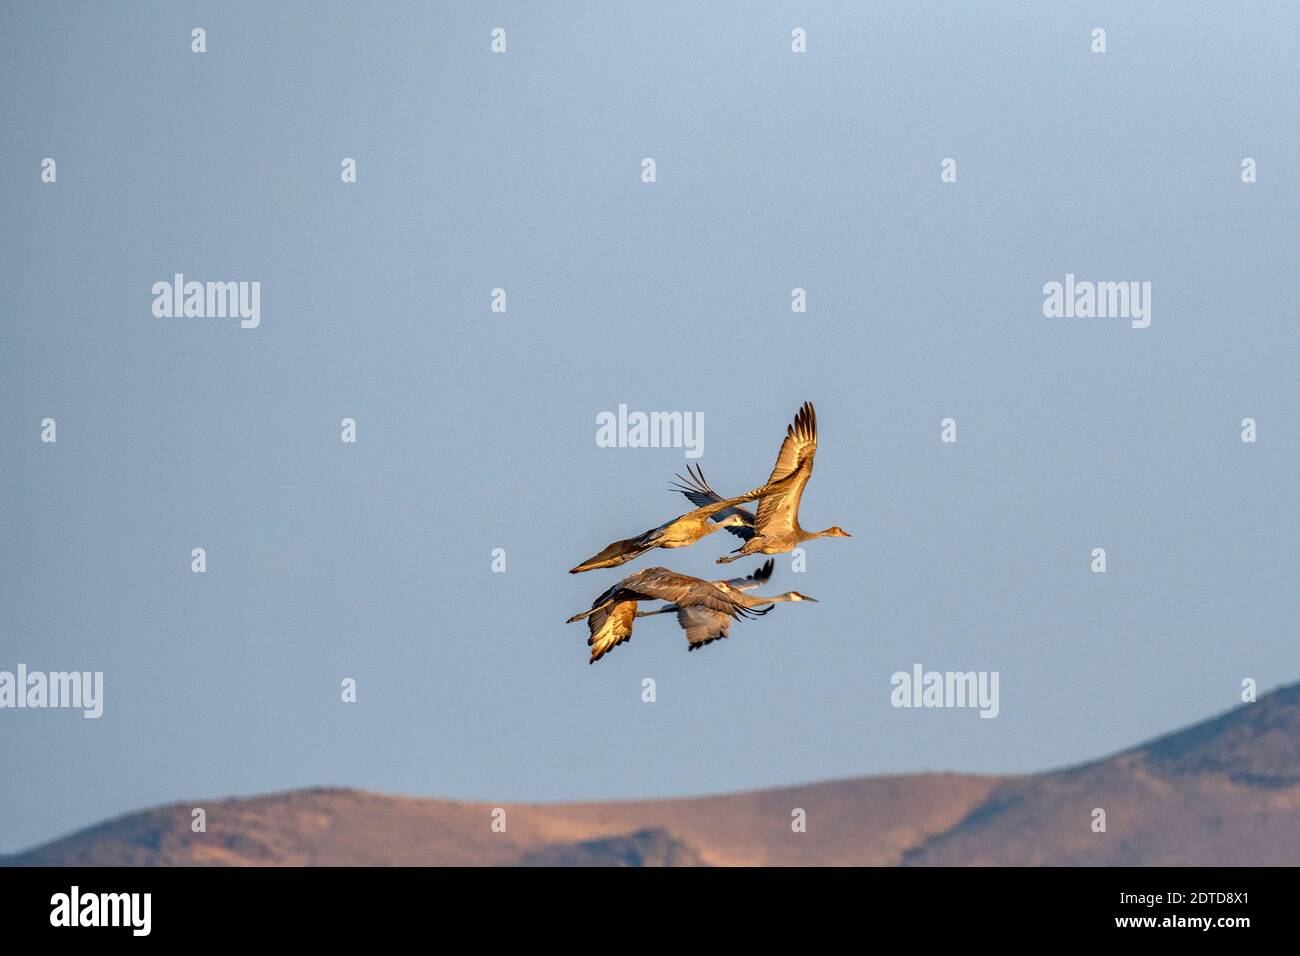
703 625
774 529
612 614
682 531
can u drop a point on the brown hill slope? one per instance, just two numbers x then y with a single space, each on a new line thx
870 820
1225 791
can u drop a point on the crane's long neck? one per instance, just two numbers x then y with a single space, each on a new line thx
753 600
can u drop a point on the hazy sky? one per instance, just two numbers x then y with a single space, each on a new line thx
476 430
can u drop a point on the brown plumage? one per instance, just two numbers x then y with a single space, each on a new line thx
775 526
703 625
682 531
612 614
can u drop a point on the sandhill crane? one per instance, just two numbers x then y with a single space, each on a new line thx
775 528
613 613
682 531
703 625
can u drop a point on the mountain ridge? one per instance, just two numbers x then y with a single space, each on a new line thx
1225 791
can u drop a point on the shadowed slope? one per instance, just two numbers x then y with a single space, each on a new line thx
643 848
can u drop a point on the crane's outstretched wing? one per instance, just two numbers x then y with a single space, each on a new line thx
610 627
702 626
760 576
613 613
660 584
778 512
609 622
701 494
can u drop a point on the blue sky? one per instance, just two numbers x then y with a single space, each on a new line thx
476 430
